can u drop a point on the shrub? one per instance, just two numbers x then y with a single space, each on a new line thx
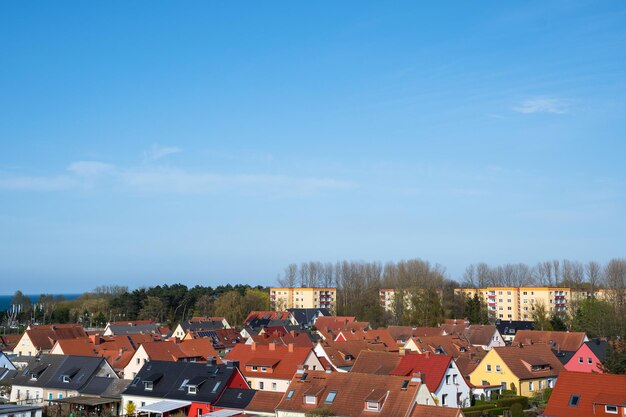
517 410
509 401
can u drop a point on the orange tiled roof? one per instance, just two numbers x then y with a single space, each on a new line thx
43 337
434 411
568 341
352 390
284 359
374 362
344 354
521 360
264 402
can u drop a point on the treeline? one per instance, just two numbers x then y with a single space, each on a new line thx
425 295
164 304
550 273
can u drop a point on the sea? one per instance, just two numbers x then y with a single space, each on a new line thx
5 300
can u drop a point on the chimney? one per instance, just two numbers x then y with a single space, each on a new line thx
290 347
272 346
253 346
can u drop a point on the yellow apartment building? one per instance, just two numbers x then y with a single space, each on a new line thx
294 297
518 303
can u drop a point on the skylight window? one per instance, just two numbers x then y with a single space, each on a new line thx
330 397
573 400
290 394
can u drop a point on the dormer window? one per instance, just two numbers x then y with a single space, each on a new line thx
33 377
372 406
66 379
192 389
310 399
610 409
148 385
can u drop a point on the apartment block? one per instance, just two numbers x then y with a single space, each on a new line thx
518 303
293 297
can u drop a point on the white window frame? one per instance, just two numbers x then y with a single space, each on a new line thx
310 399
606 409
372 406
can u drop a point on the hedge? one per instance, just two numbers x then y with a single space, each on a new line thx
509 401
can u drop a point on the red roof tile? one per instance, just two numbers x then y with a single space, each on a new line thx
285 360
432 366
568 341
594 391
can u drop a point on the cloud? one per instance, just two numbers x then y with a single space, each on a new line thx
543 105
90 168
94 174
171 180
32 183
158 152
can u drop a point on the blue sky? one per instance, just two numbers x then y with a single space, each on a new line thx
211 142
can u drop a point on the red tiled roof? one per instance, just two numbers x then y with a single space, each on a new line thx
175 351
44 337
378 335
464 353
264 402
267 315
352 390
344 354
433 366
568 341
380 363
400 333
283 338
287 361
592 388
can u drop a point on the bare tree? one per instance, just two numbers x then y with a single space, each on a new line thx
469 276
593 272
290 276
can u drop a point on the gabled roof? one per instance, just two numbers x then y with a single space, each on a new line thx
510 327
284 359
201 323
569 341
344 354
330 327
591 388
464 353
433 367
235 398
264 402
283 338
479 334
307 316
44 367
105 387
76 372
374 336
598 347
373 362
201 349
135 327
221 338
522 360
44 337
404 333
352 390
258 319
170 379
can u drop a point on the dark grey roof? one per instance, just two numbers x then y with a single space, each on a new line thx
235 398
97 386
45 366
17 409
76 372
175 378
564 355
201 325
307 316
510 327
116 388
598 347
119 329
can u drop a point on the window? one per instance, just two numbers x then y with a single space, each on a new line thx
66 378
371 406
255 368
261 385
263 369
488 368
148 385
550 383
191 389
60 396
509 308
310 399
508 293
444 399
589 361
580 359
540 385
50 396
274 386
330 397
289 395
498 369
531 386
138 361
454 379
610 409
447 379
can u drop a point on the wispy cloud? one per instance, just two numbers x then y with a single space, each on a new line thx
543 105
94 174
158 152
90 168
